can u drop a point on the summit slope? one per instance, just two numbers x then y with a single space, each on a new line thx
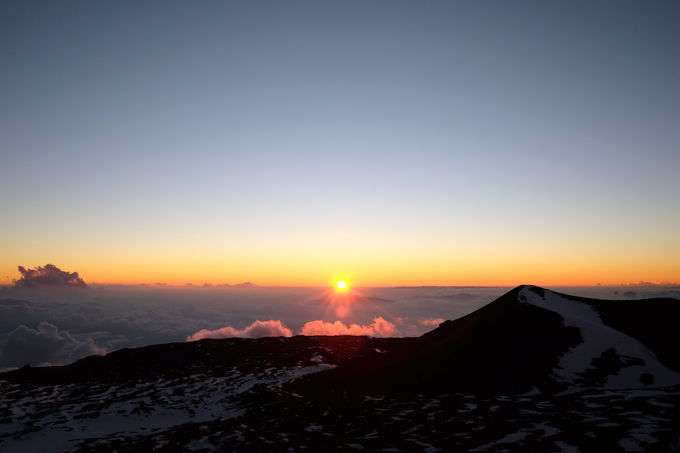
605 356
529 338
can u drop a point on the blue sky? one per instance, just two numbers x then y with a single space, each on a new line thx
346 132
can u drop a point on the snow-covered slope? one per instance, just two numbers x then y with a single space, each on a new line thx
605 354
60 417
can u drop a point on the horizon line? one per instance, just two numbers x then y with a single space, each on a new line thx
249 284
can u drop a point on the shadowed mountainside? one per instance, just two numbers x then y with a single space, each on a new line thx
506 346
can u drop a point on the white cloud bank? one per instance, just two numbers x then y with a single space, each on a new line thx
275 328
432 321
379 327
257 329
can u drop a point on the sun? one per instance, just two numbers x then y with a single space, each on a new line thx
341 285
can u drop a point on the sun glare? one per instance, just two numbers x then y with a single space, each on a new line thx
341 285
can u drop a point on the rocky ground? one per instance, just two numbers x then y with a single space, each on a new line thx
241 412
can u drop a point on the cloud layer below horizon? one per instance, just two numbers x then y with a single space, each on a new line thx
45 345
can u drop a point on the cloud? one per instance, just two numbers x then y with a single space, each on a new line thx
372 300
48 276
257 329
379 327
44 345
432 321
275 328
446 295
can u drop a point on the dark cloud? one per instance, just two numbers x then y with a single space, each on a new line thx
459 295
44 345
373 300
21 307
653 292
669 293
48 276
245 285
353 298
227 285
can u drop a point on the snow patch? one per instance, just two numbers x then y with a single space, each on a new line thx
597 338
103 410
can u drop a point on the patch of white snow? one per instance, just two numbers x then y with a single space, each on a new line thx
598 337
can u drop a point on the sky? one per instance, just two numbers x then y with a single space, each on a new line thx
295 143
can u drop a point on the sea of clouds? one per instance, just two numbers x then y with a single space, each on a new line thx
62 321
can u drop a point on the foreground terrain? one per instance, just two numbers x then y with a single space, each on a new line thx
533 370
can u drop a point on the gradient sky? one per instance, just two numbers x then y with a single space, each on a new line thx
387 142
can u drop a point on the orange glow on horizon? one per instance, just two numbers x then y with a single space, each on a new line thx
439 279
551 268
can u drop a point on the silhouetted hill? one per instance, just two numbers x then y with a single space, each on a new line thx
505 346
